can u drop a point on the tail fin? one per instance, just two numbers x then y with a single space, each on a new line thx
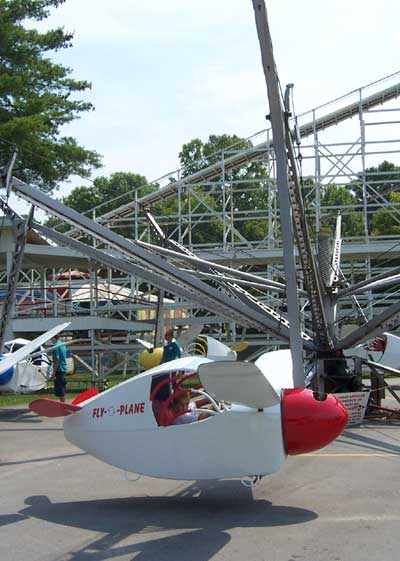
52 408
84 396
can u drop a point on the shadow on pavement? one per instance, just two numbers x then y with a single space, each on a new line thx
44 459
20 415
362 441
202 513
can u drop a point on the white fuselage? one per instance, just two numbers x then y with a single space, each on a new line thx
255 423
119 427
389 357
27 375
26 378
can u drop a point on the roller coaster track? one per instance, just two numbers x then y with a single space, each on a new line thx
251 154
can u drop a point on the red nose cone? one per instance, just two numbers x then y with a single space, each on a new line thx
309 424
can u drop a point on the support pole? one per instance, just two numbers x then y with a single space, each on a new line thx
21 234
279 140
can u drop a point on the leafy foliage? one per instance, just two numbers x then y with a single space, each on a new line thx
37 97
196 156
334 197
383 179
96 198
384 222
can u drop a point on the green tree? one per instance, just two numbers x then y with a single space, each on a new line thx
197 155
339 198
119 189
380 182
38 97
106 194
250 192
383 179
385 221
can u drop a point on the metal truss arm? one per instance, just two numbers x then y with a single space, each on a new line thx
117 263
312 279
204 265
385 321
394 279
6 174
337 247
231 285
206 296
387 369
279 133
391 276
260 285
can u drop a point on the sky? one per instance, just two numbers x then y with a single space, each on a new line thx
165 72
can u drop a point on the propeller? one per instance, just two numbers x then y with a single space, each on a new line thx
145 344
185 337
152 356
240 346
192 342
207 346
188 335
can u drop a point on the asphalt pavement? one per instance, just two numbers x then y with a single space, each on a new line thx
59 504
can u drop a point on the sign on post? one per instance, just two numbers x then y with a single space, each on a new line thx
356 404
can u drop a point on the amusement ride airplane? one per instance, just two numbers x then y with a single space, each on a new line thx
383 349
257 419
24 372
191 342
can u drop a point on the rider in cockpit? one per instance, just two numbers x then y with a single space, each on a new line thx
182 403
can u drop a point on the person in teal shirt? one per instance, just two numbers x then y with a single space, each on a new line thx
59 367
171 349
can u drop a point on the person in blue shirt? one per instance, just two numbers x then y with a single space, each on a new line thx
171 349
59 367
